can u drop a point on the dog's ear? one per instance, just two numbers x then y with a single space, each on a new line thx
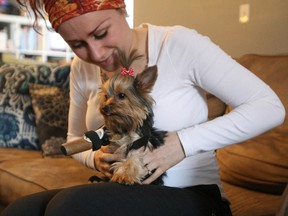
145 81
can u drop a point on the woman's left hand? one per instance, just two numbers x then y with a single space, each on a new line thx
164 157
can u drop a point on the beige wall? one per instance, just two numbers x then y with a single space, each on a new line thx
265 33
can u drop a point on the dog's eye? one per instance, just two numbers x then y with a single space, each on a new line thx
121 96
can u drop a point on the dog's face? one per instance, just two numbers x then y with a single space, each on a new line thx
125 101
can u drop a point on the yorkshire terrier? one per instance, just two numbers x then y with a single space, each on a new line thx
126 105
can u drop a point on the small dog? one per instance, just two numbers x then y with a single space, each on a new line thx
126 105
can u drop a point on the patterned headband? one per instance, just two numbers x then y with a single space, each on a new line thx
61 10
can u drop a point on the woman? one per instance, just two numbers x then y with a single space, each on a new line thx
188 65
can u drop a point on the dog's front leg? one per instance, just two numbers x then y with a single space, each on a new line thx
130 170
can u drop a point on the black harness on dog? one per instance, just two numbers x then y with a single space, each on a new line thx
149 134
97 142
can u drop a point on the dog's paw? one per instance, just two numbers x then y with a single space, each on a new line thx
124 179
124 173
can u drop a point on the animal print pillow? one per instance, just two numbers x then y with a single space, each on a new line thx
51 147
51 105
17 118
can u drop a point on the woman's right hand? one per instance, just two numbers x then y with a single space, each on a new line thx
103 159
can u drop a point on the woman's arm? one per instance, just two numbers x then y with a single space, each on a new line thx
206 66
257 107
79 96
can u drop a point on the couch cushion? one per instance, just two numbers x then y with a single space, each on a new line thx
261 163
15 153
20 177
51 105
246 202
17 119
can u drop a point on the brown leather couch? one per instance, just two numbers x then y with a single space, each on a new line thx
254 173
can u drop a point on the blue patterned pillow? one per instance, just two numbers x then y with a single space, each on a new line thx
17 118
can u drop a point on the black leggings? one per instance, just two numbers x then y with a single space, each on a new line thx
115 199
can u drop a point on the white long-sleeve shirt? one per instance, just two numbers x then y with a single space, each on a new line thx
188 63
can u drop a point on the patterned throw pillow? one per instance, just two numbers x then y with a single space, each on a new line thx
52 147
51 105
17 118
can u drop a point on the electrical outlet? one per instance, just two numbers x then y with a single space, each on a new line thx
244 13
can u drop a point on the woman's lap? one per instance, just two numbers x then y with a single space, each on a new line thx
31 205
115 199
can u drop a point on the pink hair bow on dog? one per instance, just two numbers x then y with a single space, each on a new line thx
126 71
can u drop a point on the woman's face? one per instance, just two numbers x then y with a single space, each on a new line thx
95 37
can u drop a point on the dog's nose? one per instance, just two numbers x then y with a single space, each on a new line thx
106 110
